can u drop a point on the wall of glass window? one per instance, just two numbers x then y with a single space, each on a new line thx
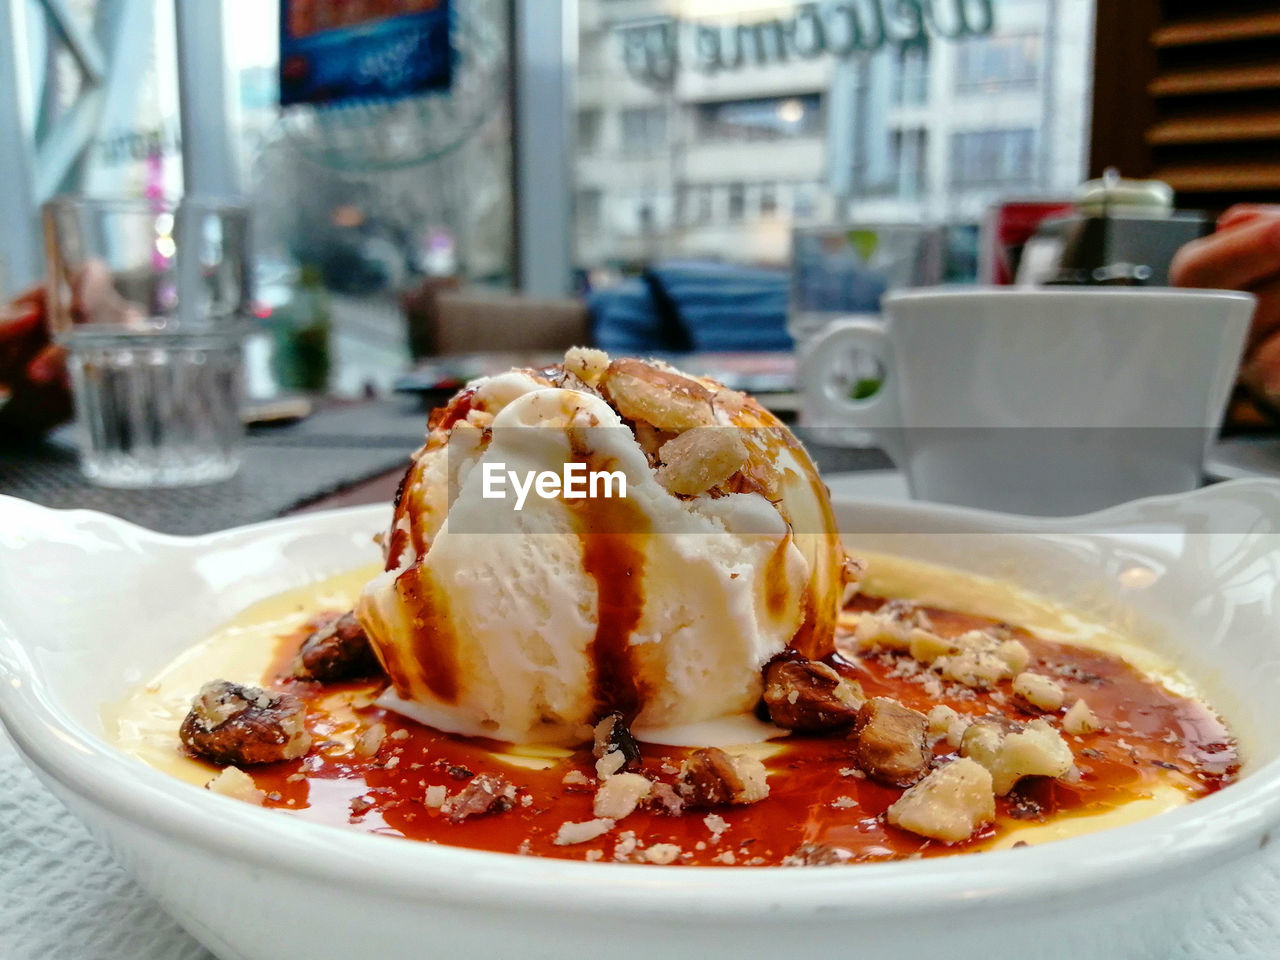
374 200
722 163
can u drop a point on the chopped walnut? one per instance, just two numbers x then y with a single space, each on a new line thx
620 794
816 855
891 745
1037 750
613 746
981 659
669 401
663 853
1039 691
1080 719
586 363
711 777
651 440
436 796
809 695
949 804
369 741
947 724
926 646
483 794
1015 655
663 799
235 783
940 718
890 627
338 649
234 724
609 764
571 832
700 459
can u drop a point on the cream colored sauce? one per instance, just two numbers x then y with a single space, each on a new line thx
145 724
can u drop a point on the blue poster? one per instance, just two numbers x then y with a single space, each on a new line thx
338 51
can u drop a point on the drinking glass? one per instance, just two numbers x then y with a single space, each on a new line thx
151 300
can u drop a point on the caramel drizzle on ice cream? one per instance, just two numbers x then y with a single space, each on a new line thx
434 664
776 584
615 561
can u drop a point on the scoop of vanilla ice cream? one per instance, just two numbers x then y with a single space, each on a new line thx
528 625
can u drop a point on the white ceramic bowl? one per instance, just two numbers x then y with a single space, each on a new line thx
90 605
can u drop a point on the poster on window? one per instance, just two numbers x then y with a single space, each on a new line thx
339 51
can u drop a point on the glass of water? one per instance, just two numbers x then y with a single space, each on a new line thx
151 300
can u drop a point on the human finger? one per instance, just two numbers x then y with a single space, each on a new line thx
48 366
1233 259
1242 213
1261 371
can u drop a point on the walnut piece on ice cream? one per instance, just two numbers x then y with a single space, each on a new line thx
700 459
668 400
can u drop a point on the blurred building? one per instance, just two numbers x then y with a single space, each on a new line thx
723 164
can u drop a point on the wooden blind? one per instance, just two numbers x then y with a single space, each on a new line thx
1189 92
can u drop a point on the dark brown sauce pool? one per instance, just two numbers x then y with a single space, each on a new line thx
1150 735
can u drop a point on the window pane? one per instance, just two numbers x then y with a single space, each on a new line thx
589 129
729 123
773 118
911 76
998 63
737 201
644 129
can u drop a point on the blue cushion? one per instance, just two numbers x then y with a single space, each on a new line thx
729 307
721 306
623 319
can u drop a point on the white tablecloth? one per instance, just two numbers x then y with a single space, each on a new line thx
61 896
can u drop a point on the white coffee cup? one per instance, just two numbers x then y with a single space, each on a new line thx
1047 402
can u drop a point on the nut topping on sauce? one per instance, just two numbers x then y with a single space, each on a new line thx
484 794
711 778
810 696
614 745
890 742
233 724
336 650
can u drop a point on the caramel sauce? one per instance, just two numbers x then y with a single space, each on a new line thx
1150 737
400 537
615 561
777 586
410 532
434 663
443 418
